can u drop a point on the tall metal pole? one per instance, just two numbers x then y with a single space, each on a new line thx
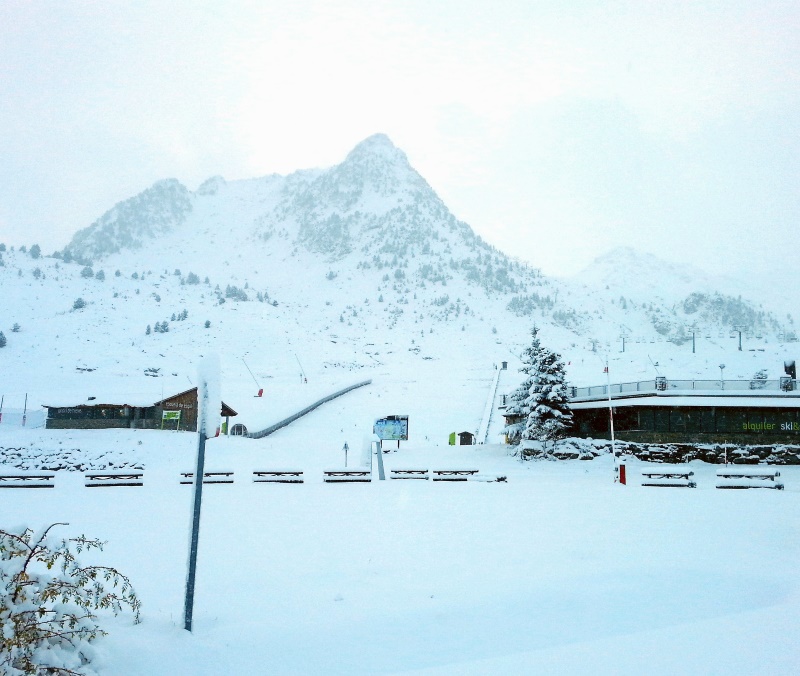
611 419
188 606
203 426
25 411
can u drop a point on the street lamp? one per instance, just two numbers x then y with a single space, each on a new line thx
722 375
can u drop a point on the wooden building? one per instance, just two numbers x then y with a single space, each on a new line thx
178 412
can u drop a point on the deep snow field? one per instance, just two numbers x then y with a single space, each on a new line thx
558 570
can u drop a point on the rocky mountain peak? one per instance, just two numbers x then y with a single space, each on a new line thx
376 149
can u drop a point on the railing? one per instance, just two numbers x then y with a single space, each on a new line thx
754 386
283 423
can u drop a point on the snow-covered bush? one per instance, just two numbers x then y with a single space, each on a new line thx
759 380
78 304
3 340
48 599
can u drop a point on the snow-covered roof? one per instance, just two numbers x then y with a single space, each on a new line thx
139 399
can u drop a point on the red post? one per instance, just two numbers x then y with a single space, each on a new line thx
622 474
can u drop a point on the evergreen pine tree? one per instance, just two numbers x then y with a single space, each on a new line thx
548 401
517 405
3 340
147 331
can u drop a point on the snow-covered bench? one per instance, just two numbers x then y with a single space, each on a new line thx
112 478
453 474
748 478
347 475
225 477
27 480
409 473
669 478
278 476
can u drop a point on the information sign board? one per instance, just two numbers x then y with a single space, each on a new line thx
392 427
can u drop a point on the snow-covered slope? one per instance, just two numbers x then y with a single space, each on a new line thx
354 271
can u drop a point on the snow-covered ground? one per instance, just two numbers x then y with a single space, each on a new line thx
557 570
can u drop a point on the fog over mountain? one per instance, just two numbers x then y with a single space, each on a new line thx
359 266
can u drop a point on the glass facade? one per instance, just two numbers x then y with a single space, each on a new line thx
689 420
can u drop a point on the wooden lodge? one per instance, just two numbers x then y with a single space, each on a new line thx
177 412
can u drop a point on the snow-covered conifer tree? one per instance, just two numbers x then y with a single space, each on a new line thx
517 405
548 402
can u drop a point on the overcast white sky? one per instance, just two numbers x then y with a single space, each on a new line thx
557 129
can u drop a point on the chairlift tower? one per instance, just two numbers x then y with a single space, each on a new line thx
738 328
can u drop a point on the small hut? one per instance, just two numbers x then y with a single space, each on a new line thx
466 439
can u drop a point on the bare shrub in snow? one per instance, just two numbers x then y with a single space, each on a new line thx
48 599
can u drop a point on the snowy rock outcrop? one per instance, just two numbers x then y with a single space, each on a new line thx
129 224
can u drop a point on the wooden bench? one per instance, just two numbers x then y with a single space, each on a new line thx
278 476
670 479
27 480
748 478
112 478
409 473
346 475
208 478
453 474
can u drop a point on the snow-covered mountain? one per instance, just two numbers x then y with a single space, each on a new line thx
355 268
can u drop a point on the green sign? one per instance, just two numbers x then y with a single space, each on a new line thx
171 415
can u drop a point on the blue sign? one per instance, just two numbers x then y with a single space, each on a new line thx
392 427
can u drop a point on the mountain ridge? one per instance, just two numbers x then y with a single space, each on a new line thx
368 245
